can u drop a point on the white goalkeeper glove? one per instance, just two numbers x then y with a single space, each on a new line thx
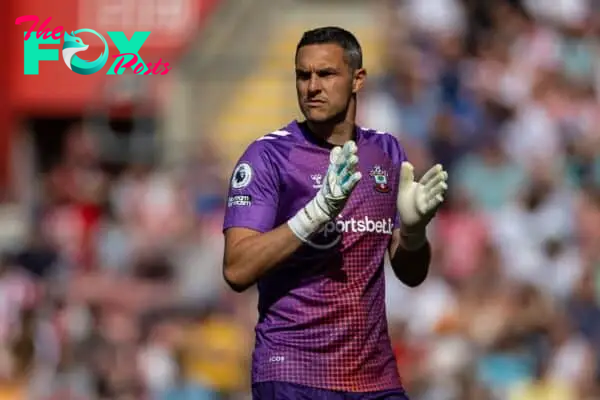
340 181
419 201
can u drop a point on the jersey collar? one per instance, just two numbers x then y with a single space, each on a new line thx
301 129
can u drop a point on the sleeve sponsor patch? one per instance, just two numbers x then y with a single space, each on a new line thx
239 201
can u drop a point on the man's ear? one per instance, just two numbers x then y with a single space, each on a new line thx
360 76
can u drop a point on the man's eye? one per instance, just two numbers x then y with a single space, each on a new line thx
325 74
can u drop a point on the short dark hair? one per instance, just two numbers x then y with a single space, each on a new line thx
335 35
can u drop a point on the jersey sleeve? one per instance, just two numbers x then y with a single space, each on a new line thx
253 191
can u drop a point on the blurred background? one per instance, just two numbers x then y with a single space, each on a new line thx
112 194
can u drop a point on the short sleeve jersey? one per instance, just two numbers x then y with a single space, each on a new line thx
322 319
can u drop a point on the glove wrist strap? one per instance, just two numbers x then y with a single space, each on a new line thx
309 220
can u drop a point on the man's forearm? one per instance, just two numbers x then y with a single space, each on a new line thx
248 259
253 256
411 266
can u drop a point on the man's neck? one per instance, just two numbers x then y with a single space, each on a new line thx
336 134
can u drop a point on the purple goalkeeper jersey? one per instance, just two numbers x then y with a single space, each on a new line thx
322 319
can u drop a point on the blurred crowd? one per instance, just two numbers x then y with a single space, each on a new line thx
505 95
118 293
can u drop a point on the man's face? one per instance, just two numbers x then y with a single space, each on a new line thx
325 82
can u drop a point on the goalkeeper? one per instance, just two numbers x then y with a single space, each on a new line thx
312 210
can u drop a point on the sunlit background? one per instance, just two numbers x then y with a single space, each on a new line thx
113 188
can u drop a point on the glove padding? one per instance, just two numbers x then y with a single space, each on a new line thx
418 202
341 179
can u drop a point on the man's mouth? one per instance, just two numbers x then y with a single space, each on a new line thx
314 103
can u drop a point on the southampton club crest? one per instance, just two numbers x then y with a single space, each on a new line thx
381 180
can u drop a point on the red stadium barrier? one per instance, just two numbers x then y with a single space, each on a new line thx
57 90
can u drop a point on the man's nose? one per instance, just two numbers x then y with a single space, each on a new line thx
314 85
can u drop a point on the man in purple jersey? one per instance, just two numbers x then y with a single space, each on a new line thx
312 210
